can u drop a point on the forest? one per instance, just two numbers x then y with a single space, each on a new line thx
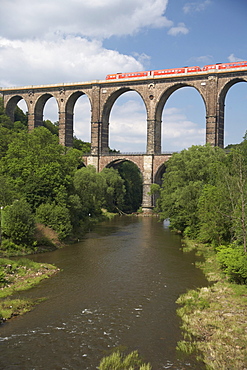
204 196
44 183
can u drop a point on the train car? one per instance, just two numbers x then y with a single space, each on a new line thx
162 72
134 74
112 76
220 66
172 71
192 69
128 75
210 67
232 65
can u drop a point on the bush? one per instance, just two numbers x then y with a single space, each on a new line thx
3 279
233 261
55 216
18 222
117 361
9 248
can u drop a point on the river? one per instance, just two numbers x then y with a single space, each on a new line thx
117 288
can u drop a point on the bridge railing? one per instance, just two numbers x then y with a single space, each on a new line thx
126 153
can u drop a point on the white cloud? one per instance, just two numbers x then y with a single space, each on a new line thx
181 28
130 135
232 58
178 132
55 41
92 18
72 59
142 58
202 60
128 124
196 6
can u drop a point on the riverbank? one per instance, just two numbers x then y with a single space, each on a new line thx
16 276
214 317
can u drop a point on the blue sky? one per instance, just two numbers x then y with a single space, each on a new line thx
56 41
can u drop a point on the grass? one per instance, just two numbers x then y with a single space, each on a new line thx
17 276
214 319
14 307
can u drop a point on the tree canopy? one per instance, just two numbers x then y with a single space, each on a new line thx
51 181
204 195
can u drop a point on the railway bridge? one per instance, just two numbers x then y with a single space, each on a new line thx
212 85
151 166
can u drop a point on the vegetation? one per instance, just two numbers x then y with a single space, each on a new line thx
204 195
214 317
117 361
43 182
16 276
133 185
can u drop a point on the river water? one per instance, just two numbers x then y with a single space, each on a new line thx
117 288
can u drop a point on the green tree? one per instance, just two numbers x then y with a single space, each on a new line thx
115 189
5 121
90 187
20 116
38 167
81 145
133 185
7 193
186 175
55 216
6 137
20 120
235 182
233 261
52 127
18 222
214 214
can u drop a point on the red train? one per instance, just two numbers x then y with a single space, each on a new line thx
162 72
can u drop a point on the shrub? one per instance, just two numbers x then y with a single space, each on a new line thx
18 222
233 261
118 361
3 279
55 216
9 248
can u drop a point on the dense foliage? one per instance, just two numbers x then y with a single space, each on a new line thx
44 182
133 185
204 195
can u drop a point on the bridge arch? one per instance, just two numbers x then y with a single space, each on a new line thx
168 92
224 90
133 178
116 161
70 111
160 112
221 105
159 174
72 99
11 105
107 109
39 108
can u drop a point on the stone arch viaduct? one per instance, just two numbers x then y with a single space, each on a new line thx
212 86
